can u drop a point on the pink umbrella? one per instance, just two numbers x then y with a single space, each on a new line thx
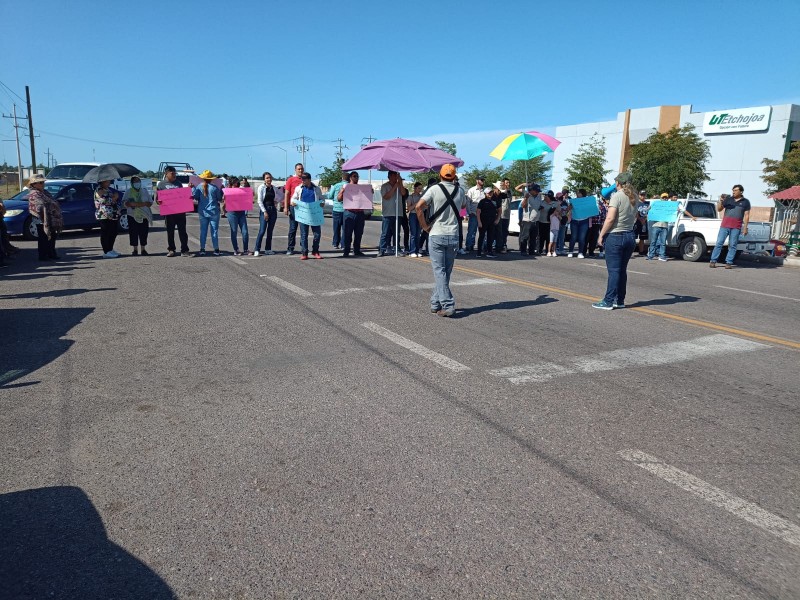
400 155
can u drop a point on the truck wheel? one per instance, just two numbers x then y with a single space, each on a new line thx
29 231
693 248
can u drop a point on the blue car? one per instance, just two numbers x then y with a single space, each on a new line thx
76 199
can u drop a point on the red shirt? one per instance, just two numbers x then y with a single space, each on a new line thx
289 188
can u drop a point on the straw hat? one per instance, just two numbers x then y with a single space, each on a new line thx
207 175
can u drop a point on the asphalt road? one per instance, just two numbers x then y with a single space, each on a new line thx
269 428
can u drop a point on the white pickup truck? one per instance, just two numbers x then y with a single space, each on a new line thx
692 239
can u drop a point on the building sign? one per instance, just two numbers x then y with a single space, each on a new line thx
737 120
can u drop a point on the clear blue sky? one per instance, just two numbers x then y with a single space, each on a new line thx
211 74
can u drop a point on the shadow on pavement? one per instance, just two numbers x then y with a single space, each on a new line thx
508 305
53 545
54 293
674 299
31 338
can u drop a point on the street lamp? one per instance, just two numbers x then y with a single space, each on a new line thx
250 156
285 161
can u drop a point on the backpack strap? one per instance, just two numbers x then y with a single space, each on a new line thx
449 203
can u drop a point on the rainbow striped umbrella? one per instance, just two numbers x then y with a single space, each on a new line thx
524 146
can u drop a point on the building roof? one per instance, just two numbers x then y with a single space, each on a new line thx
792 193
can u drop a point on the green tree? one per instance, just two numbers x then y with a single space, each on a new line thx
423 177
333 174
784 173
490 174
536 170
585 169
673 162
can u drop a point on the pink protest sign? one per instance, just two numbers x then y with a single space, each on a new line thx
238 198
463 212
175 201
357 196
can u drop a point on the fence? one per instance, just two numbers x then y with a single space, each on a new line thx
785 220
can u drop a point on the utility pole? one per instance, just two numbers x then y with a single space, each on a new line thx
302 149
340 153
30 129
48 154
16 135
369 139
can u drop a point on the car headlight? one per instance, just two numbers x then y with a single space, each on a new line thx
14 213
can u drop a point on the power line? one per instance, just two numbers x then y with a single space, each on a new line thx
69 137
13 92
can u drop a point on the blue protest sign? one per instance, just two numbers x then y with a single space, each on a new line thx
309 213
583 208
663 210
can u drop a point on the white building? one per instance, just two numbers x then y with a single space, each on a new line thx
738 139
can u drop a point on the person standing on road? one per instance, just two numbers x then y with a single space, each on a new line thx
172 222
413 221
543 221
617 238
506 196
658 237
562 199
529 229
137 202
555 224
208 198
354 219
237 219
291 185
308 192
595 225
474 195
337 211
423 236
447 200
734 223
578 230
640 228
393 193
267 214
107 207
488 217
42 206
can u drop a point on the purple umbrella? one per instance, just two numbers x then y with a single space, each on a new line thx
400 155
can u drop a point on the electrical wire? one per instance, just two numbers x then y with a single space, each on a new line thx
79 139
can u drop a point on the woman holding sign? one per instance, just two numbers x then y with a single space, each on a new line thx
618 239
208 198
578 227
308 202
353 221
237 216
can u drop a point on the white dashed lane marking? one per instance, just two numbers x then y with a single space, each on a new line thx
410 286
752 513
724 287
439 359
646 356
288 286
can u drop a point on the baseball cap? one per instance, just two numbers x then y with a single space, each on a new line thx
447 172
623 178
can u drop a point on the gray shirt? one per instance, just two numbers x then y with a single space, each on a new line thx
626 212
447 223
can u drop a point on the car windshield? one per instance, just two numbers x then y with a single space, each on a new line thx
53 188
69 171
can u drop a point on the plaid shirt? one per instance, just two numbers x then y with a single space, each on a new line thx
601 218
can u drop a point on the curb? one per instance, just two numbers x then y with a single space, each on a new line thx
792 261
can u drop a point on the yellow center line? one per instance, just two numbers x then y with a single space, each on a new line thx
647 311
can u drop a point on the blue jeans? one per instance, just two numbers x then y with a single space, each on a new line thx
353 230
415 229
577 234
443 255
338 222
618 248
658 242
472 231
387 234
265 226
317 229
562 234
205 222
725 232
292 231
237 219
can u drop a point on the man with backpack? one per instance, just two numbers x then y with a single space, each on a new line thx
446 200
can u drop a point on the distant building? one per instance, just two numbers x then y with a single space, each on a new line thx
739 139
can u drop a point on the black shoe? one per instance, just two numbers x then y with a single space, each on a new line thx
145 252
135 253
359 253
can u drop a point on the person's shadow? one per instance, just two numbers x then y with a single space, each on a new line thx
507 305
53 545
673 299
53 293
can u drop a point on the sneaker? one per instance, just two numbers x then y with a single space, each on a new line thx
135 252
317 255
446 313
145 252
728 266
490 256
114 254
569 254
257 253
435 310
617 305
649 258
304 257
289 252
246 253
713 265
106 255
601 254
236 253
201 253
268 252
581 255
171 253
187 254
462 251
217 252
603 305
479 255
662 259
